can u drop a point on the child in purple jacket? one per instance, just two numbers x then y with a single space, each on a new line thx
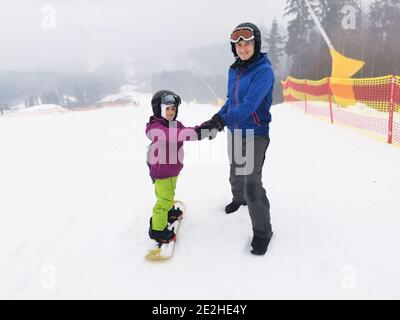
165 159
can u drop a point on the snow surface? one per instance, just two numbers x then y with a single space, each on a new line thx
40 109
127 92
76 200
44 107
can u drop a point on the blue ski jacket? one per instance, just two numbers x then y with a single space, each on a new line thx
249 97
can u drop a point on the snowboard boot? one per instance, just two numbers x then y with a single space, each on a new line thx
164 236
233 206
174 214
260 245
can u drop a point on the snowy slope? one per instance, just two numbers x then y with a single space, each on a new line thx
76 199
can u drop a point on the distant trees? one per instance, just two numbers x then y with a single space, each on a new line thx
275 44
203 89
75 92
48 97
2 108
68 90
299 31
383 45
373 38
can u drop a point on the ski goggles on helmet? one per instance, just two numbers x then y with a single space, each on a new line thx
170 99
245 33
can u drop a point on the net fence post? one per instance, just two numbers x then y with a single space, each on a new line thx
305 96
330 99
391 110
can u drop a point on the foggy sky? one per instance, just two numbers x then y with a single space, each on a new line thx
91 32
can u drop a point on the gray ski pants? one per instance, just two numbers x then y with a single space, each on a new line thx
246 163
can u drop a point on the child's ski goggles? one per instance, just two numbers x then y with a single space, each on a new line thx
245 33
170 99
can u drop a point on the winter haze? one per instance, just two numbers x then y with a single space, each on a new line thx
80 35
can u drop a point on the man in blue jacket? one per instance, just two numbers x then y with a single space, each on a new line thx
246 113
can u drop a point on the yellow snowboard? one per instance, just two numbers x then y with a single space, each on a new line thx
160 252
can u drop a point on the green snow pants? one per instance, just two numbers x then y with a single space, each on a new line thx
165 193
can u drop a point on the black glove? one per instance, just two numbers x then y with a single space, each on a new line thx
217 122
206 130
212 134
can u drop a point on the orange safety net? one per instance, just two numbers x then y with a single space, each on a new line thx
371 104
396 107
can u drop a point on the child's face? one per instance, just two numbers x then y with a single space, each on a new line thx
170 113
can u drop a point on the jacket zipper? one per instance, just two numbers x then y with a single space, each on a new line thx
236 94
256 119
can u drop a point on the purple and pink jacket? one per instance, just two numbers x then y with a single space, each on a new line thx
165 154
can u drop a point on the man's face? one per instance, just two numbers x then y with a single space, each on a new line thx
245 49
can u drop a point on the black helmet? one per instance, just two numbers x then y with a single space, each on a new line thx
257 40
166 97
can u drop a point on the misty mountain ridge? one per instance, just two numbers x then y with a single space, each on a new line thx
199 74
